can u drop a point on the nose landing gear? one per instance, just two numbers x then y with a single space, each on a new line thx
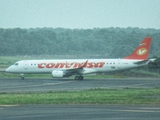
22 76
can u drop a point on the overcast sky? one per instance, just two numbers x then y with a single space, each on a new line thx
86 14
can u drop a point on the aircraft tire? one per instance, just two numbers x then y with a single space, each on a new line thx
76 77
80 77
22 78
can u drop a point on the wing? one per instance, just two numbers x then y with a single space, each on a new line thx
78 70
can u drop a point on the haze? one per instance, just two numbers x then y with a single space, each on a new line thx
86 14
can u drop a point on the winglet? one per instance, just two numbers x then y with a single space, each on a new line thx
81 66
141 52
85 64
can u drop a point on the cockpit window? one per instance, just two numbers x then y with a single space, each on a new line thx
16 64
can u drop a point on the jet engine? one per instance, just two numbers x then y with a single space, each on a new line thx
56 73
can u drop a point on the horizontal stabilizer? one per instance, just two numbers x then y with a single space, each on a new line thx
145 61
141 62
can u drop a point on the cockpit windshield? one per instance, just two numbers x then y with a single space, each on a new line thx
16 64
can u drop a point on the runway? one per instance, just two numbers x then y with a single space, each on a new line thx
79 112
15 85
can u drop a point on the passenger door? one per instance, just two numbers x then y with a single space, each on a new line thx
119 63
25 65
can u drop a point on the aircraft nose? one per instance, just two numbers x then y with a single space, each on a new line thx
8 69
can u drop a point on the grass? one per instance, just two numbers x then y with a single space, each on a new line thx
147 73
93 96
9 60
6 61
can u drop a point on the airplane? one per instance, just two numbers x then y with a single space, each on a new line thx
79 67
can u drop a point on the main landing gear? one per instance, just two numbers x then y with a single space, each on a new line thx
22 76
78 77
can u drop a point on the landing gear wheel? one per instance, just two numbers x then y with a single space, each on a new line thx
79 78
22 76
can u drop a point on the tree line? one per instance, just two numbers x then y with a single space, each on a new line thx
109 42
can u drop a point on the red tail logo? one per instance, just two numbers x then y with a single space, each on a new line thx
141 52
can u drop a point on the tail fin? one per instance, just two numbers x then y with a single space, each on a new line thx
141 52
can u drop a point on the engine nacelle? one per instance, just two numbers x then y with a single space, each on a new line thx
56 73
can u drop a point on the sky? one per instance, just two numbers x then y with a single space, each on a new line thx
79 14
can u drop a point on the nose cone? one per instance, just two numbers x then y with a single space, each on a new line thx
8 69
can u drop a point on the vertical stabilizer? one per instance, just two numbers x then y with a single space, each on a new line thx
141 52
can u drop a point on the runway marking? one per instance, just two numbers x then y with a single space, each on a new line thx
60 86
137 111
39 85
152 108
135 85
57 83
43 84
47 84
8 105
141 84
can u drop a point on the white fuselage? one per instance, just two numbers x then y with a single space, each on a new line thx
93 65
79 67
